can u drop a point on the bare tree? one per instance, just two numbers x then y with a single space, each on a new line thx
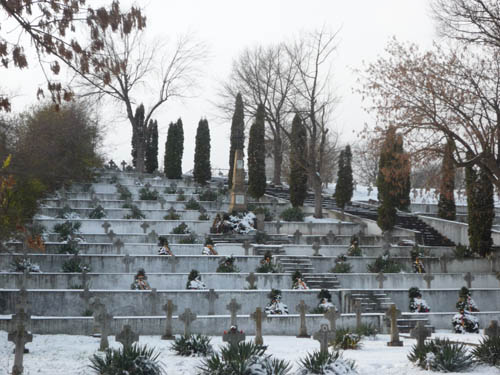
366 154
131 70
315 100
264 76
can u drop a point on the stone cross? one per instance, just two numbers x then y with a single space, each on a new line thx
86 295
162 202
119 245
233 337
246 245
127 337
104 319
492 330
144 227
358 309
211 296
124 164
393 313
324 336
332 316
428 277
94 200
153 236
20 337
111 235
233 307
278 226
169 308
127 260
24 278
443 260
187 317
173 260
85 280
257 316
296 237
310 227
202 210
316 246
154 299
381 278
331 237
106 226
274 207
251 280
469 279
171 211
22 300
302 308
420 332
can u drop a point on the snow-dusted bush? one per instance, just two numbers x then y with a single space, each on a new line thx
442 355
331 363
192 346
488 351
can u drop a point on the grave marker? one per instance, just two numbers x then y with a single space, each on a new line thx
127 259
246 245
302 309
211 296
153 236
469 279
233 336
257 316
428 277
127 337
111 235
233 307
106 226
86 295
381 278
331 237
144 227
420 332
296 237
492 330
187 317
85 280
332 316
310 227
20 337
316 246
169 309
393 313
154 300
162 202
104 319
124 164
358 309
119 245
251 280
173 260
443 260
324 336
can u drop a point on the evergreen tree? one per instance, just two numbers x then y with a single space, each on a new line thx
345 187
151 162
202 170
446 205
403 164
298 160
237 135
257 155
174 147
137 130
179 148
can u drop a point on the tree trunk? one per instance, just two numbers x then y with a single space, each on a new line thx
278 159
318 197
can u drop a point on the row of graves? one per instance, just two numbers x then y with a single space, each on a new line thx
137 255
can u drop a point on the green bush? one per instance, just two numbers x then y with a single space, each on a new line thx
292 214
346 339
67 230
261 237
331 363
182 228
97 213
204 217
70 247
366 330
261 210
462 251
188 239
133 360
135 214
113 180
384 264
172 215
208 196
246 358
180 197
342 268
75 265
226 265
192 346
442 355
145 194
66 212
192 204
124 193
488 351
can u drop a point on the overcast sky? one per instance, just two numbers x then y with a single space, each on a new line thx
228 26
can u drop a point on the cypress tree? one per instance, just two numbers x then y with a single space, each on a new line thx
298 160
169 160
345 186
136 131
446 205
179 148
202 169
151 163
237 135
256 156
403 169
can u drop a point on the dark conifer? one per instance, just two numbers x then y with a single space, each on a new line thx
237 135
151 163
298 160
345 186
257 155
202 169
446 205
403 171
137 130
171 170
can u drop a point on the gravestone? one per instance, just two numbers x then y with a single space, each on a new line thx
278 226
238 199
259 218
381 278
154 300
274 207
144 227
257 316
106 226
174 261
492 330
310 227
469 279
20 337
127 337
118 244
152 236
211 296
420 332
104 319
111 235
428 277
22 302
233 336
316 246
332 316
162 202
97 307
171 211
443 262
233 307
127 259
187 317
252 280
358 309
324 336
331 237
246 245
393 313
219 201
124 165
86 295
85 280
296 237
302 309
169 309
94 201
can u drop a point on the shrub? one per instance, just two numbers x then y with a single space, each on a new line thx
124 193
292 214
488 351
97 213
261 210
226 265
261 237
204 217
188 239
442 355
346 339
172 215
113 180
21 264
180 196
67 213
135 214
74 265
342 268
67 230
192 204
133 360
182 228
192 346
246 358
267 265
70 247
366 330
145 194
331 363
384 264
208 196
462 251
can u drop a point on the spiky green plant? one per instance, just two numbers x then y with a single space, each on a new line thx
67 230
442 355
75 265
331 363
208 196
146 194
97 213
192 204
292 214
192 346
135 213
182 228
346 339
488 351
124 193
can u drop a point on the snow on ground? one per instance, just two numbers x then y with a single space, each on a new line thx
312 219
64 354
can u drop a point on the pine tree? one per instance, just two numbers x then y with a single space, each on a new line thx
137 131
170 152
257 155
298 160
345 186
202 169
151 162
446 205
179 148
237 135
